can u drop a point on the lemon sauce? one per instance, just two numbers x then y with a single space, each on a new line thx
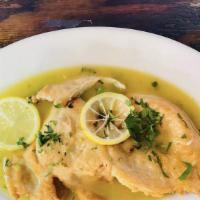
136 82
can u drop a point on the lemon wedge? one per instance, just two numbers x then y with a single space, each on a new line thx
19 123
102 118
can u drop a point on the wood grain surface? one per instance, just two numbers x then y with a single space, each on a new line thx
176 19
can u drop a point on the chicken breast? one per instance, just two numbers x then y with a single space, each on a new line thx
154 172
73 149
64 92
24 177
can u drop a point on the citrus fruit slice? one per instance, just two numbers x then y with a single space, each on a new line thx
102 118
19 123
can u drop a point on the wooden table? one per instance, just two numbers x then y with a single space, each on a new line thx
176 19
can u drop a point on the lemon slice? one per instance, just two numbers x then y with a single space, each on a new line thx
102 118
18 121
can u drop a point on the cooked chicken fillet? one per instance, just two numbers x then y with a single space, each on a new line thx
64 92
24 178
74 150
133 168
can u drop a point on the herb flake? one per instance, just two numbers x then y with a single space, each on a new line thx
88 70
164 148
154 84
181 118
100 90
59 105
29 100
100 81
47 135
8 163
142 125
184 136
149 157
128 103
21 142
158 160
187 171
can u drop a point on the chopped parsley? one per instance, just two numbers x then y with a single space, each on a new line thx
181 118
48 135
184 136
158 160
154 84
142 125
29 100
100 81
164 148
100 90
143 128
110 118
149 157
168 146
8 163
88 70
59 105
21 142
128 103
187 171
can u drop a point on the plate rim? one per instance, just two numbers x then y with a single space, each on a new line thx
109 28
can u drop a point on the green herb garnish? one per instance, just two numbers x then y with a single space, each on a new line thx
187 171
164 148
29 100
59 105
158 160
100 90
149 157
128 103
181 118
142 125
22 142
88 70
8 163
111 117
100 81
168 146
184 136
47 135
154 84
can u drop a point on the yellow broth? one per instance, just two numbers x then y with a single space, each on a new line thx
136 82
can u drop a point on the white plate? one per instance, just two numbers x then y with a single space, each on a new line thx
143 51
